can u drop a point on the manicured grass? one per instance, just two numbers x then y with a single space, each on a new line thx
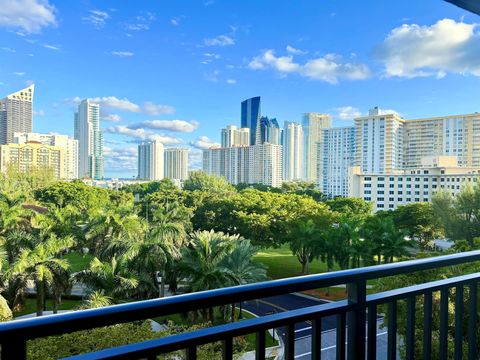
282 264
78 261
31 307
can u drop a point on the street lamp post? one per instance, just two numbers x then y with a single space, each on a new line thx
161 283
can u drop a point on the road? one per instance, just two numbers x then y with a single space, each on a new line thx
303 330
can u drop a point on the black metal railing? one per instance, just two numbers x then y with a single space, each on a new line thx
356 326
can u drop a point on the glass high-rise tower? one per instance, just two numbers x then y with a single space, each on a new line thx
251 114
90 140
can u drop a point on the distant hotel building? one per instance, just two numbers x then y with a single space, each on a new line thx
151 161
234 136
270 131
16 114
31 156
292 151
388 191
90 140
312 124
337 155
257 164
176 163
70 145
250 118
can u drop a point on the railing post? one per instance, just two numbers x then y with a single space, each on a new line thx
356 320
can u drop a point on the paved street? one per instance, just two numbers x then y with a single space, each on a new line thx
303 330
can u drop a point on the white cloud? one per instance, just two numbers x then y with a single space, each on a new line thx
347 112
294 51
329 68
154 109
170 125
29 15
111 117
413 50
195 159
38 113
142 134
97 18
231 81
122 53
122 158
19 73
141 22
113 102
221 40
203 143
51 47
7 49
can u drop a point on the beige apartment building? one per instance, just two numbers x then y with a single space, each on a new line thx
33 155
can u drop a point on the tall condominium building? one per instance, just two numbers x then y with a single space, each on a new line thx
269 131
256 164
337 156
70 145
176 163
250 118
455 135
379 141
151 161
16 114
400 187
90 140
292 151
234 136
313 123
33 155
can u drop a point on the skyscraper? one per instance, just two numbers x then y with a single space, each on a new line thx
313 123
70 160
90 140
269 131
234 136
16 114
292 151
151 161
176 164
337 157
251 113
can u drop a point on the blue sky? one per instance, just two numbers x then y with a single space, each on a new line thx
178 70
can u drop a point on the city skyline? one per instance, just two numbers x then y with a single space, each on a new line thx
235 58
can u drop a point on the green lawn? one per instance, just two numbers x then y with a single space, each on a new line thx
78 261
31 307
282 264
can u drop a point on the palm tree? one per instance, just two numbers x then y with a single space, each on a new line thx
96 299
42 265
112 279
12 213
304 242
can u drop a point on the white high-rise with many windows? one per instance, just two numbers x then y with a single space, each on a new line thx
176 164
292 151
234 136
313 123
90 140
70 160
151 161
16 114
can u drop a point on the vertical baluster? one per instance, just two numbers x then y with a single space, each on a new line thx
13 349
192 353
443 324
410 343
372 333
356 319
290 342
472 321
427 326
317 339
392 331
458 322
227 349
341 325
260 346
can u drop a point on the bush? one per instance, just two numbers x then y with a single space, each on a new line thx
5 312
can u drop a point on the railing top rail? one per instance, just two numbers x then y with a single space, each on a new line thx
91 318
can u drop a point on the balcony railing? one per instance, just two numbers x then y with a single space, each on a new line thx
356 325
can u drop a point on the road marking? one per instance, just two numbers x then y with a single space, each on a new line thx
332 347
303 329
